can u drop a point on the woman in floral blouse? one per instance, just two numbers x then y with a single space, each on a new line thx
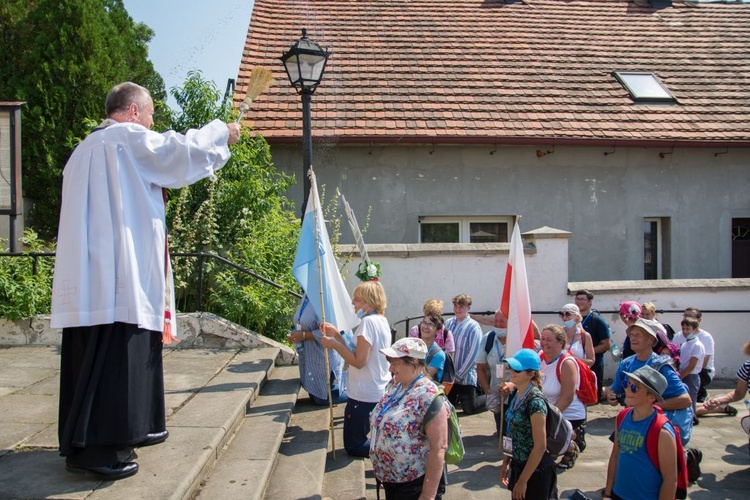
528 470
408 453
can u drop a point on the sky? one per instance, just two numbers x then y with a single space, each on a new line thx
194 34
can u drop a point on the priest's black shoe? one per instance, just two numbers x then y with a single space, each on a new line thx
120 470
154 438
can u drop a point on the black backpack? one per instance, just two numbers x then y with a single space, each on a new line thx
449 369
558 428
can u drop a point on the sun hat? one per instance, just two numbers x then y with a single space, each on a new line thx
408 346
654 381
649 325
570 308
631 309
524 359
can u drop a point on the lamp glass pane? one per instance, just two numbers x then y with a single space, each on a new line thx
311 67
292 69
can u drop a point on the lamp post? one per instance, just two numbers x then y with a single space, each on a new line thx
305 62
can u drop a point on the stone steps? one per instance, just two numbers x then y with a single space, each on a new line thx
200 426
245 464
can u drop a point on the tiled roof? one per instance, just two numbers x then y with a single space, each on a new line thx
486 71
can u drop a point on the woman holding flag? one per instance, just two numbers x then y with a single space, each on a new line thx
311 355
368 370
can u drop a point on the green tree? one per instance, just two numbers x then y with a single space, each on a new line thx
62 57
25 282
241 214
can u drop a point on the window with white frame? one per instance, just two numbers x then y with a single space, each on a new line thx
464 229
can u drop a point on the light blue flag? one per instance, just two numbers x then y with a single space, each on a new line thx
338 305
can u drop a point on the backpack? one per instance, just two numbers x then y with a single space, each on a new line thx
490 341
587 391
558 429
454 452
652 447
448 376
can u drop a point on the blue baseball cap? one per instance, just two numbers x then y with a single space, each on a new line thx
525 359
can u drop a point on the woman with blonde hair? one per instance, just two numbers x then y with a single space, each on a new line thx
368 371
560 380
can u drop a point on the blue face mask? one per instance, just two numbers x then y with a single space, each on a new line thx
570 323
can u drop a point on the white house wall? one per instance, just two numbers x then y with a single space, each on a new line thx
600 198
412 274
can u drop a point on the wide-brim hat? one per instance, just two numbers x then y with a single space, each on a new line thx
651 379
649 325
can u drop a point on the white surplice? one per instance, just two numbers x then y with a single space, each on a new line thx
111 241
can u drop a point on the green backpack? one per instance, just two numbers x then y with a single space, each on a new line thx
455 450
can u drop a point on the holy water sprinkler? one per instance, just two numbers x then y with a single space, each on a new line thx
260 80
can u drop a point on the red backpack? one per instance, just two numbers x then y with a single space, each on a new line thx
652 447
587 391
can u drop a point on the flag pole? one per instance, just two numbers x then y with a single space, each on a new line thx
323 312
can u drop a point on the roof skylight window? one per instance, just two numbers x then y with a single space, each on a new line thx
644 87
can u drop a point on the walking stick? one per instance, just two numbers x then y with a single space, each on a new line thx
323 314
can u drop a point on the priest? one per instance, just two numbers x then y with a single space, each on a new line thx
111 293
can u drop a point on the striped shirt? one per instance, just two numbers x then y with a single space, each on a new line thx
467 335
744 373
312 361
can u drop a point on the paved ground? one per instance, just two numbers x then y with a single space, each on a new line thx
28 422
725 466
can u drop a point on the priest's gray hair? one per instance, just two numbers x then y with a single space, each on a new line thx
123 95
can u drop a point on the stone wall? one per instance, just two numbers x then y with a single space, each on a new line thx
194 330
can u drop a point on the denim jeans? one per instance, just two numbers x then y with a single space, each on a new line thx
356 427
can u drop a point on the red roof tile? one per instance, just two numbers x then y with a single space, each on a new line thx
482 68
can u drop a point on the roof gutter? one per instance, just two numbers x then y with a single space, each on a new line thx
517 141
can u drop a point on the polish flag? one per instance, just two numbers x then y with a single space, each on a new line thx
515 304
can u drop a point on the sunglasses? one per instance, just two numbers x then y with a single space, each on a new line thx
632 386
424 324
565 314
519 371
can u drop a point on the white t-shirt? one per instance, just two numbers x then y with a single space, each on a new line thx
708 345
368 383
692 349
551 389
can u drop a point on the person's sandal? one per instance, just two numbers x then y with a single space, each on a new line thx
730 410
569 458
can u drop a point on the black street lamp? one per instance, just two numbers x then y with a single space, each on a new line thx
305 62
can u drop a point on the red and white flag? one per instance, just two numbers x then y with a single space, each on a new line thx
515 304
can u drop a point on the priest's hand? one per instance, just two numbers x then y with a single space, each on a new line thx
234 132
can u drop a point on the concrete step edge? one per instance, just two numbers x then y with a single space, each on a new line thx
199 430
303 453
244 466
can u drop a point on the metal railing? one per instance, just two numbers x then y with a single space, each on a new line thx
407 321
201 261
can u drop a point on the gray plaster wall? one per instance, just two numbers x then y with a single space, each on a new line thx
601 199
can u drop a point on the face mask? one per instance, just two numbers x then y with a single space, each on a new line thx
502 333
570 323
361 313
